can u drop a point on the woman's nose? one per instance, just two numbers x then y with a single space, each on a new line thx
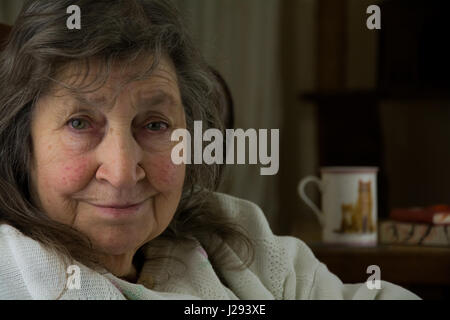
120 157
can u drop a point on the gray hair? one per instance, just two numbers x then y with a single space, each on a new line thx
40 46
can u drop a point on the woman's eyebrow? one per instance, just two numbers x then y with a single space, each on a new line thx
96 102
160 98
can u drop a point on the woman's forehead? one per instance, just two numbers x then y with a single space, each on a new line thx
94 84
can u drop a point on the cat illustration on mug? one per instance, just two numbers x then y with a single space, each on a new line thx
357 218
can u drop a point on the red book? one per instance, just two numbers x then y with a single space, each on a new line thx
438 214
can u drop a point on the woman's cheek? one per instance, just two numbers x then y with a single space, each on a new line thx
71 175
164 174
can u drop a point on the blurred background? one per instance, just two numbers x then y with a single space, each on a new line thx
340 94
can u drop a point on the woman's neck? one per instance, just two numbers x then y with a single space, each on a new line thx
132 276
122 267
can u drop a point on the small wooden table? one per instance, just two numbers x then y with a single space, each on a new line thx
423 270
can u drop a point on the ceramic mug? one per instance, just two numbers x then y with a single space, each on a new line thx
349 204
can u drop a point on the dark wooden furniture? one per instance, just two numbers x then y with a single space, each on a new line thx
412 68
349 133
423 270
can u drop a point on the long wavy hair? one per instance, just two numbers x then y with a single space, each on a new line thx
40 46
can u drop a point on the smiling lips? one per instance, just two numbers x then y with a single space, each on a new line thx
117 206
116 210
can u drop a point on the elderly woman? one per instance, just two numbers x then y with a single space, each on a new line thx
91 204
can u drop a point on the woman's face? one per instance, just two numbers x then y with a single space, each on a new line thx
110 148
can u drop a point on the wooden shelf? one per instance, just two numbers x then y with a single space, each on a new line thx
413 267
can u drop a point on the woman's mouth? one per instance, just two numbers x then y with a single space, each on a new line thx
118 210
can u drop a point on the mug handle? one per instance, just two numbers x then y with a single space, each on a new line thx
312 205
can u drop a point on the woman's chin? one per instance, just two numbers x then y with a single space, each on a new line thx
118 243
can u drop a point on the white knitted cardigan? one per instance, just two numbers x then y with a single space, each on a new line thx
284 268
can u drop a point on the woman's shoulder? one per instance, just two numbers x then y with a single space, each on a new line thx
230 201
27 269
8 230
12 239
277 258
246 213
283 247
12 242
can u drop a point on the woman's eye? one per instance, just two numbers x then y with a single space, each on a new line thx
77 124
157 126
